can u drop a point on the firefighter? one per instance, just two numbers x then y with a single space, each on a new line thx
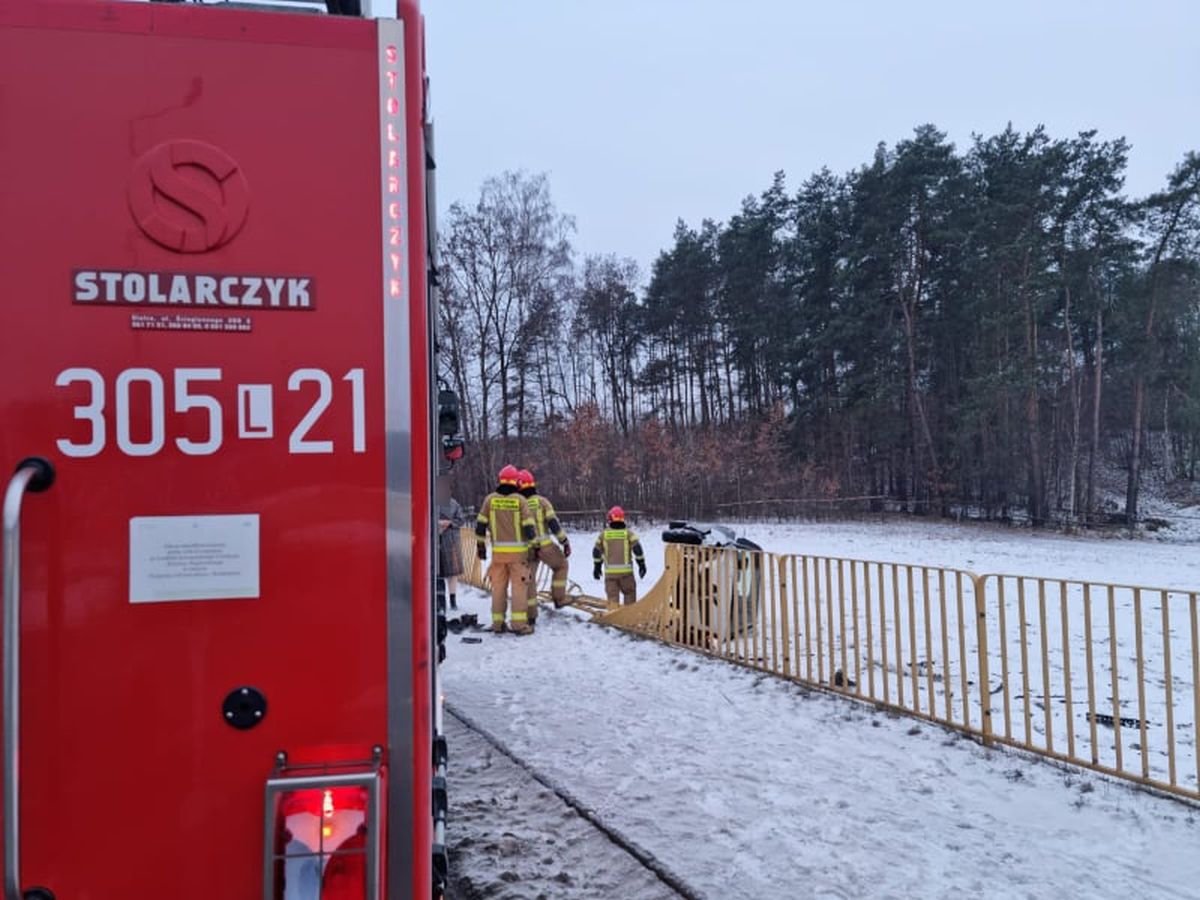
545 550
616 550
505 514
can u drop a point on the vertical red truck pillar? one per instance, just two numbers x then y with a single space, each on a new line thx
214 327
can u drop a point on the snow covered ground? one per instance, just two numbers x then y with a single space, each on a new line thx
512 838
979 548
925 666
749 786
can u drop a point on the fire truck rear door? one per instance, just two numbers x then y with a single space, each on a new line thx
192 331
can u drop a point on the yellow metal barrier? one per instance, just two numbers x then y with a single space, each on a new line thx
1102 676
475 574
1091 674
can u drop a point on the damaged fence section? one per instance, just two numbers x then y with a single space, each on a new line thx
475 573
1102 676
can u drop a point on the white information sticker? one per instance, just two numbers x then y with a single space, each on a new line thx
193 558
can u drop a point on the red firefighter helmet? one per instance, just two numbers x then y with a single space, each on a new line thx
616 514
508 475
525 479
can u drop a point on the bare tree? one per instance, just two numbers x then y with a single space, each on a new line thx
507 280
608 315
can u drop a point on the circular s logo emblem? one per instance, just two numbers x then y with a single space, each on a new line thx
188 196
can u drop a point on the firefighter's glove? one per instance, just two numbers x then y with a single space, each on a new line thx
566 547
596 571
641 568
481 551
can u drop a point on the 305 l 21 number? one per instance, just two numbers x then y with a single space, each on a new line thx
192 390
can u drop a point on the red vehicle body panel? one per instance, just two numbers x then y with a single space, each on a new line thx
133 785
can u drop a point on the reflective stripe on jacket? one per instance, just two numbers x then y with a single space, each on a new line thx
543 513
507 518
617 548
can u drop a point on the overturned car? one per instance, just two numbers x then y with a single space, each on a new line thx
719 590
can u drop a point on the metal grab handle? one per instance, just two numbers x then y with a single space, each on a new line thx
33 475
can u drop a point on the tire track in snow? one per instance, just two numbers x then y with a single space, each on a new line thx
644 857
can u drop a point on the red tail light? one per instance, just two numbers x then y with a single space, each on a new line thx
323 837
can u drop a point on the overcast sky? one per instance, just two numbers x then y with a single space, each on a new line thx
645 111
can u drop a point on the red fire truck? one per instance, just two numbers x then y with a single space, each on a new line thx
217 444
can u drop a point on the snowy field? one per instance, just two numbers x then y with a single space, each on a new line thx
748 786
897 631
979 548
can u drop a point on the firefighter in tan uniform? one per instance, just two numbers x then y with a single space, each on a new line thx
616 550
506 516
545 550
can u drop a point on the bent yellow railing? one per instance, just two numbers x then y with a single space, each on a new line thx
1097 675
1102 676
475 574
